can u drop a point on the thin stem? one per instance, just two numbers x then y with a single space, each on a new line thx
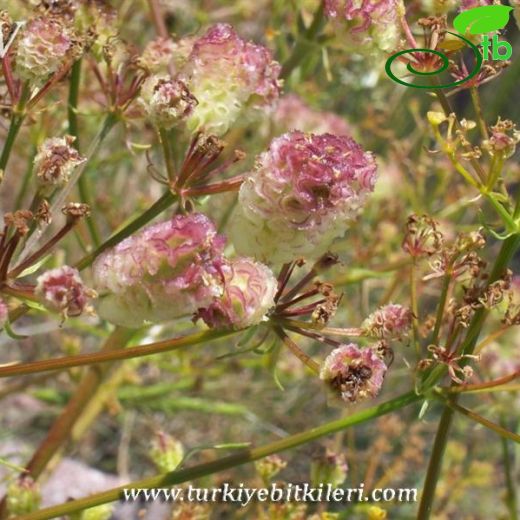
440 308
168 155
511 498
237 459
59 432
415 309
477 105
506 434
158 207
158 18
106 356
291 345
481 386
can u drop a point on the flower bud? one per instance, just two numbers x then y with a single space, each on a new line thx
223 72
4 313
370 23
56 160
165 271
23 497
300 197
62 290
269 467
166 453
388 322
353 373
42 49
329 468
166 101
249 290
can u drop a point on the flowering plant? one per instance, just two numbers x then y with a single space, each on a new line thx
225 228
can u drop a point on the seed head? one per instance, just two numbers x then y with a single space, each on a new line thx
388 322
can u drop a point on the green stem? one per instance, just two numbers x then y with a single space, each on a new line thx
106 356
477 105
72 111
300 50
440 309
164 136
435 465
158 207
237 459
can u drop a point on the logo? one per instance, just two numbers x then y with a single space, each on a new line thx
4 46
480 20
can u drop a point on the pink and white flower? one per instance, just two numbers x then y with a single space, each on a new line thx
166 271
303 193
249 291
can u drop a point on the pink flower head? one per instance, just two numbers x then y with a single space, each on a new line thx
4 313
166 101
62 290
303 192
223 72
369 22
249 290
167 270
388 322
293 114
42 49
353 373
157 55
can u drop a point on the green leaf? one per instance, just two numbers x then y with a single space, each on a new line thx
484 19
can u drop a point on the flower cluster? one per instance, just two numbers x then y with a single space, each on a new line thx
370 23
166 101
223 72
46 41
389 322
353 373
249 290
56 160
168 270
301 196
62 290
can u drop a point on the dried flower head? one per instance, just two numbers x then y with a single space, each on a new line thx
249 290
166 101
388 322
167 270
293 114
56 160
223 72
62 290
301 196
4 313
44 45
422 237
503 140
353 373
370 23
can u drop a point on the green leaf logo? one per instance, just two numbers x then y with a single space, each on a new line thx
484 19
